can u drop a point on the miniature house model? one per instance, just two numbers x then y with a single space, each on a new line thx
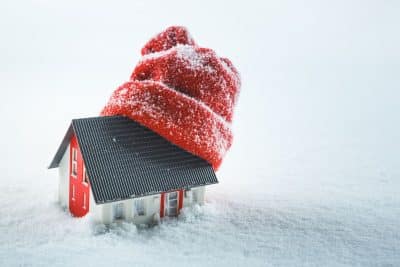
117 169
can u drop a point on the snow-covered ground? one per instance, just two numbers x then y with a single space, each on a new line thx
313 178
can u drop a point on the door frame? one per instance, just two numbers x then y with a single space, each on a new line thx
163 202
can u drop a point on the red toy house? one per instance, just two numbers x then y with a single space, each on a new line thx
117 169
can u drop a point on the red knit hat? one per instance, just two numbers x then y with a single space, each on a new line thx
183 92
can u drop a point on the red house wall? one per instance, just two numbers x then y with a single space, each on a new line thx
78 190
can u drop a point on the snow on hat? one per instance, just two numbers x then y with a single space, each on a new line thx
183 92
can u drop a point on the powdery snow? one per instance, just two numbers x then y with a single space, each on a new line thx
244 227
193 60
311 180
167 113
167 39
183 92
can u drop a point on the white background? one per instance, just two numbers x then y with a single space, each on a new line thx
312 179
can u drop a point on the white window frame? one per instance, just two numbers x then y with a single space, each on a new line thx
84 201
167 200
115 207
195 195
188 193
139 207
73 192
74 164
85 179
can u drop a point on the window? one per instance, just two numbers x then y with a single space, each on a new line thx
73 192
84 201
171 204
85 179
195 196
118 211
139 207
74 163
74 154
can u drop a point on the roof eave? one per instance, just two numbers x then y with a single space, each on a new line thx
61 149
149 194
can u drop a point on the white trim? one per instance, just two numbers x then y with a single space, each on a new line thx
74 164
168 200
118 211
74 171
84 201
85 179
139 207
188 193
73 192
74 154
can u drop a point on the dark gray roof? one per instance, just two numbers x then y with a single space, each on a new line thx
124 159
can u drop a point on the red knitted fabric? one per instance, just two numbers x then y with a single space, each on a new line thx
183 92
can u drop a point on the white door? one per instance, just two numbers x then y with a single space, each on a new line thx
171 204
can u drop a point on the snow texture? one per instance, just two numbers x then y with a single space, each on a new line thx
186 94
312 178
